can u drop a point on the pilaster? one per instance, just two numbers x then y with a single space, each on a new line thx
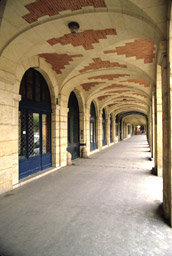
9 108
99 130
108 129
113 130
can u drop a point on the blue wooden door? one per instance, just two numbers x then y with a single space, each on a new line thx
93 144
111 139
34 146
104 142
34 124
73 127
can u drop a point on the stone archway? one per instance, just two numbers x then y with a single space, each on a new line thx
34 124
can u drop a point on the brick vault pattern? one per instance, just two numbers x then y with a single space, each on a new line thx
85 39
103 97
138 81
119 91
109 76
140 48
111 105
41 8
88 86
112 86
98 63
58 61
139 94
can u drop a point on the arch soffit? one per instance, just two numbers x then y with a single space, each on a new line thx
136 119
47 73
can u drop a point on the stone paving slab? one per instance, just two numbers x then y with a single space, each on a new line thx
109 204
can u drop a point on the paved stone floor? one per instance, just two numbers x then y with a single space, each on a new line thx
109 204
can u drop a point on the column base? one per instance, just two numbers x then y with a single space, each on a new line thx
154 171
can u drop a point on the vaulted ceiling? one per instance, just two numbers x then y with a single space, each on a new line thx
112 58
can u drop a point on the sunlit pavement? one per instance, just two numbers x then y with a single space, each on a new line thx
109 204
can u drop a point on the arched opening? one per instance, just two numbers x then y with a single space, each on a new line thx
93 144
132 130
111 137
128 129
117 129
34 124
122 124
104 142
142 129
73 126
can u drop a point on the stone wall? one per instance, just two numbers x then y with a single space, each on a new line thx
9 101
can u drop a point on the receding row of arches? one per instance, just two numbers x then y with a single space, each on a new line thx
35 132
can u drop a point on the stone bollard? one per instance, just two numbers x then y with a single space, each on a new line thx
84 152
69 156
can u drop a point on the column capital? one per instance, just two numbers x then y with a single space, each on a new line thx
60 108
17 97
153 90
100 112
63 100
162 51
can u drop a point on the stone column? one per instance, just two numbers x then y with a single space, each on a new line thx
166 116
123 130
55 135
9 110
158 124
113 129
108 129
99 129
63 129
63 134
126 128
123 137
150 130
87 129
153 126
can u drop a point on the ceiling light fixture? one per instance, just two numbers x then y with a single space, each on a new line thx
73 26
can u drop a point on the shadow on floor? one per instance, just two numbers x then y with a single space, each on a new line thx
160 214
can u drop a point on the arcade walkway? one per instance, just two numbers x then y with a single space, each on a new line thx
106 205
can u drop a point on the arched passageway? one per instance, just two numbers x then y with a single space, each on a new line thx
122 64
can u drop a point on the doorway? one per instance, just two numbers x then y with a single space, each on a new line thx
73 126
93 144
111 138
34 124
104 142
